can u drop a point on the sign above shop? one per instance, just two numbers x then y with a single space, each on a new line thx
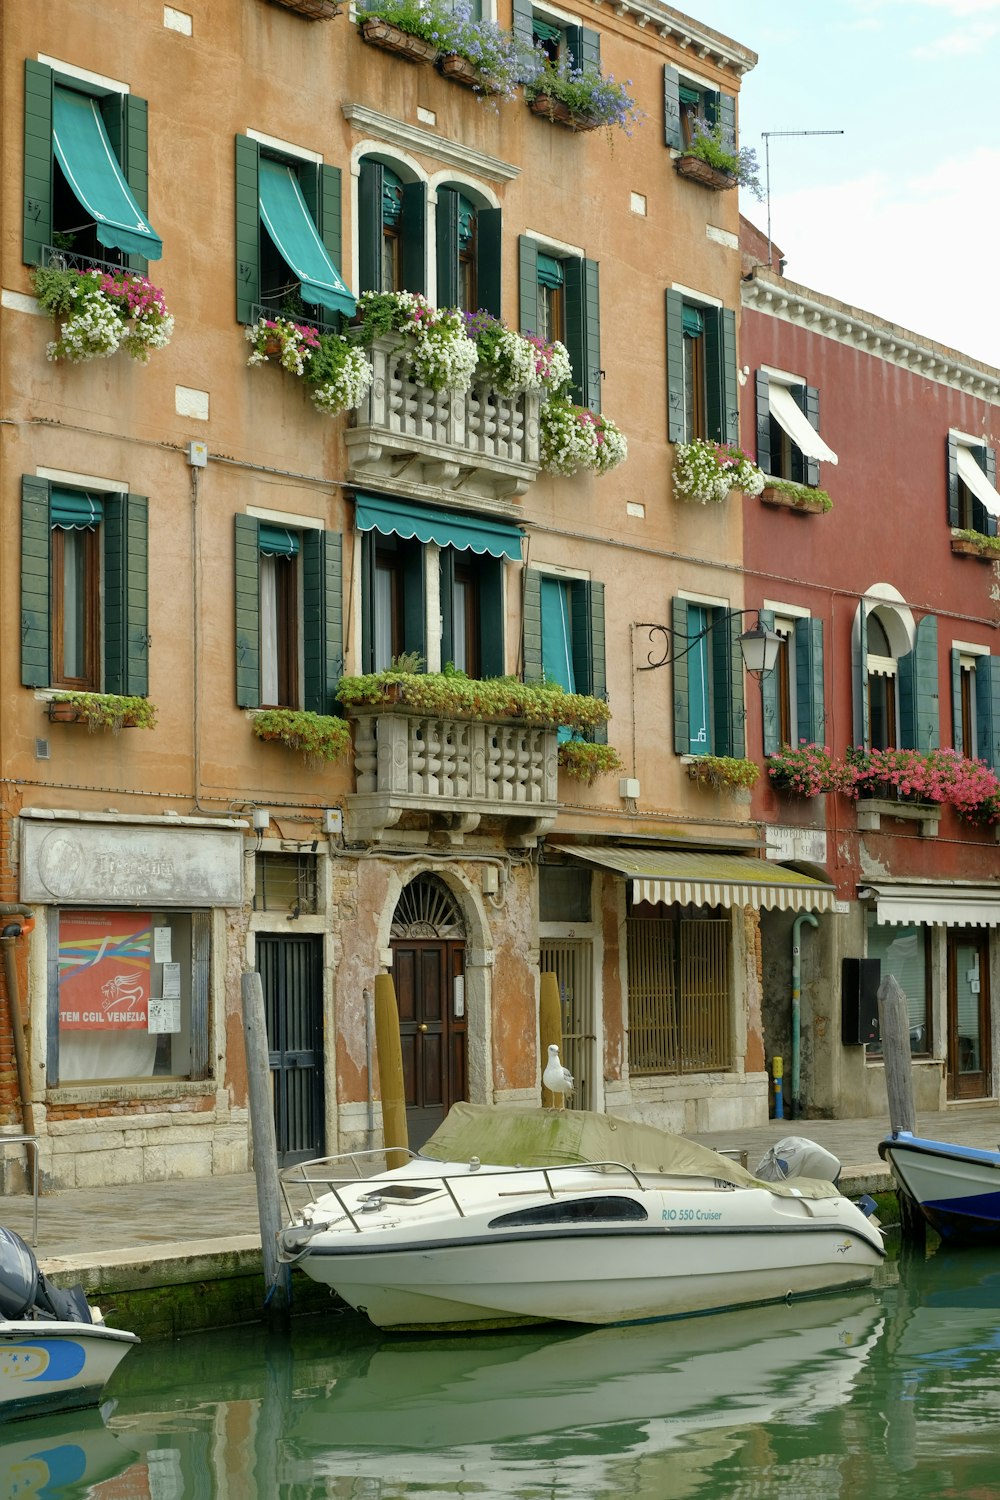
807 844
115 864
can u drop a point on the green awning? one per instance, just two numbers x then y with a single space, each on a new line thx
288 221
545 31
93 172
275 541
72 510
694 322
550 271
700 878
442 527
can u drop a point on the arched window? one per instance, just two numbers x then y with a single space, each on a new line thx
881 665
896 663
392 228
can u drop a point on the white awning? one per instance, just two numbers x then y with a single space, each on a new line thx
941 905
789 415
974 479
706 878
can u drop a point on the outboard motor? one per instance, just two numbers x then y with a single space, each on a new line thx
26 1294
795 1156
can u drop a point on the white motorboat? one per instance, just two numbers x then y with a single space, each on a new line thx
514 1216
956 1188
55 1350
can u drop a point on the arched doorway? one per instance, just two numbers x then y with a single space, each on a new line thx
428 970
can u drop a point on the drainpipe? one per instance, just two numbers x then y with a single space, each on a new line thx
803 916
8 937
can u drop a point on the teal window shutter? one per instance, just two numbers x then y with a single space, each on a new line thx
126 122
589 654
721 379
126 594
489 259
415 237
584 47
919 713
954 506
770 708
37 161
414 602
320 186
247 613
36 582
988 710
370 183
727 672
805 470
523 21
323 616
861 718
592 325
957 733
247 228
531 624
671 108
679 615
989 464
809 681
725 108
491 616
583 330
675 367
446 227
446 585
762 387
527 254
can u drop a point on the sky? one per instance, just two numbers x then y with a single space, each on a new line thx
900 215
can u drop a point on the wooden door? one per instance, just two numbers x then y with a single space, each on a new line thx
429 976
969 1061
291 973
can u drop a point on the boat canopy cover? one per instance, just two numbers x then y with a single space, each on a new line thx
551 1137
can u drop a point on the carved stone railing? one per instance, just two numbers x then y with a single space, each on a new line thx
420 441
453 773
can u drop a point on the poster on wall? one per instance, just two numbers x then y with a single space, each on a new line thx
104 964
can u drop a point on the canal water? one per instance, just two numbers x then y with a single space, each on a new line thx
889 1392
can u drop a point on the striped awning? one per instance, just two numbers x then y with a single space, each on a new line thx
699 878
936 905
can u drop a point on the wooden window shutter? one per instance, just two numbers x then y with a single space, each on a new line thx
531 624
36 582
414 605
126 594
957 728
489 259
414 237
492 661
770 709
37 162
446 577
805 470
809 681
247 553
247 228
584 46
589 656
126 121
522 21
679 667
370 226
763 390
321 189
323 615
446 226
368 601
672 108
721 379
725 106
583 330
527 254
675 367
862 727
954 501
728 709
988 710
990 467
920 723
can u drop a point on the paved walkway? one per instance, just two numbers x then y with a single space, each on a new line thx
141 1222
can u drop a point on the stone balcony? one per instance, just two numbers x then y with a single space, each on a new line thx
439 778
418 442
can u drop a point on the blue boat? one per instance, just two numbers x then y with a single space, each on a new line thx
956 1188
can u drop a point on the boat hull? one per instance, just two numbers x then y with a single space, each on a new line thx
52 1366
957 1188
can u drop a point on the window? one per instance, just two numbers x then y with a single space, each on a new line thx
792 695
686 100
896 702
975 681
563 626
973 501
678 992
392 225
708 681
702 383
881 688
788 442
904 952
560 41
288 236
289 616
560 298
286 882
468 253
84 590
85 173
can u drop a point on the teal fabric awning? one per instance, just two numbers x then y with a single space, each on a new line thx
72 510
442 527
694 322
550 271
275 541
95 176
288 221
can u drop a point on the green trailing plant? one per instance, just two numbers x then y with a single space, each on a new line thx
724 772
716 144
114 711
798 491
983 542
585 761
319 737
452 695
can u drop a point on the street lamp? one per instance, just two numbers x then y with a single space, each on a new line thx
759 645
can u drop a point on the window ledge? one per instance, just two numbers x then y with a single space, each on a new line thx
964 546
871 811
128 1091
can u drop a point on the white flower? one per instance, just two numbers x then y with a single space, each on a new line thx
705 472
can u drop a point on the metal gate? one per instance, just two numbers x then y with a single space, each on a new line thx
291 973
572 962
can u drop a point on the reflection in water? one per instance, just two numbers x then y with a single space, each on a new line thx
892 1392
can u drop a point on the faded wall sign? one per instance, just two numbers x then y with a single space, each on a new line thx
118 865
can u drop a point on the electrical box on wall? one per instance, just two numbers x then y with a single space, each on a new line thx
859 982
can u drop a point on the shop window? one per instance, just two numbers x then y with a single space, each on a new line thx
904 952
679 1011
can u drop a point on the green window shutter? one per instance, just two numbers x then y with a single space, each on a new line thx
489 259
862 726
492 661
725 112
769 697
729 722
247 613
810 712
763 389
682 717
330 218
584 46
38 160
954 510
589 658
918 690
247 229
805 470
990 466
583 330
414 606
36 582
988 710
126 594
446 585
672 108
522 21
414 237
370 226
721 380
592 323
323 618
446 224
527 253
957 736
675 367
135 161
531 625
368 601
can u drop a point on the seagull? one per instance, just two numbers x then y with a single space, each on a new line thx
556 1078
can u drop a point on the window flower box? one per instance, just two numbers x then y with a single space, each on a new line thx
798 497
378 32
705 472
697 170
317 737
985 548
313 10
460 70
102 711
559 111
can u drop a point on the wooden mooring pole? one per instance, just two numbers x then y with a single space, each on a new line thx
894 1025
277 1276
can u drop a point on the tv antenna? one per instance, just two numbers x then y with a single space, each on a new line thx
765 136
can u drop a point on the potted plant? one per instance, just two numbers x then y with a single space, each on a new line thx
103 312
313 10
579 98
512 362
705 472
452 695
574 438
713 158
974 544
408 28
723 772
480 54
585 761
801 497
114 711
319 737
443 356
803 770
336 371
